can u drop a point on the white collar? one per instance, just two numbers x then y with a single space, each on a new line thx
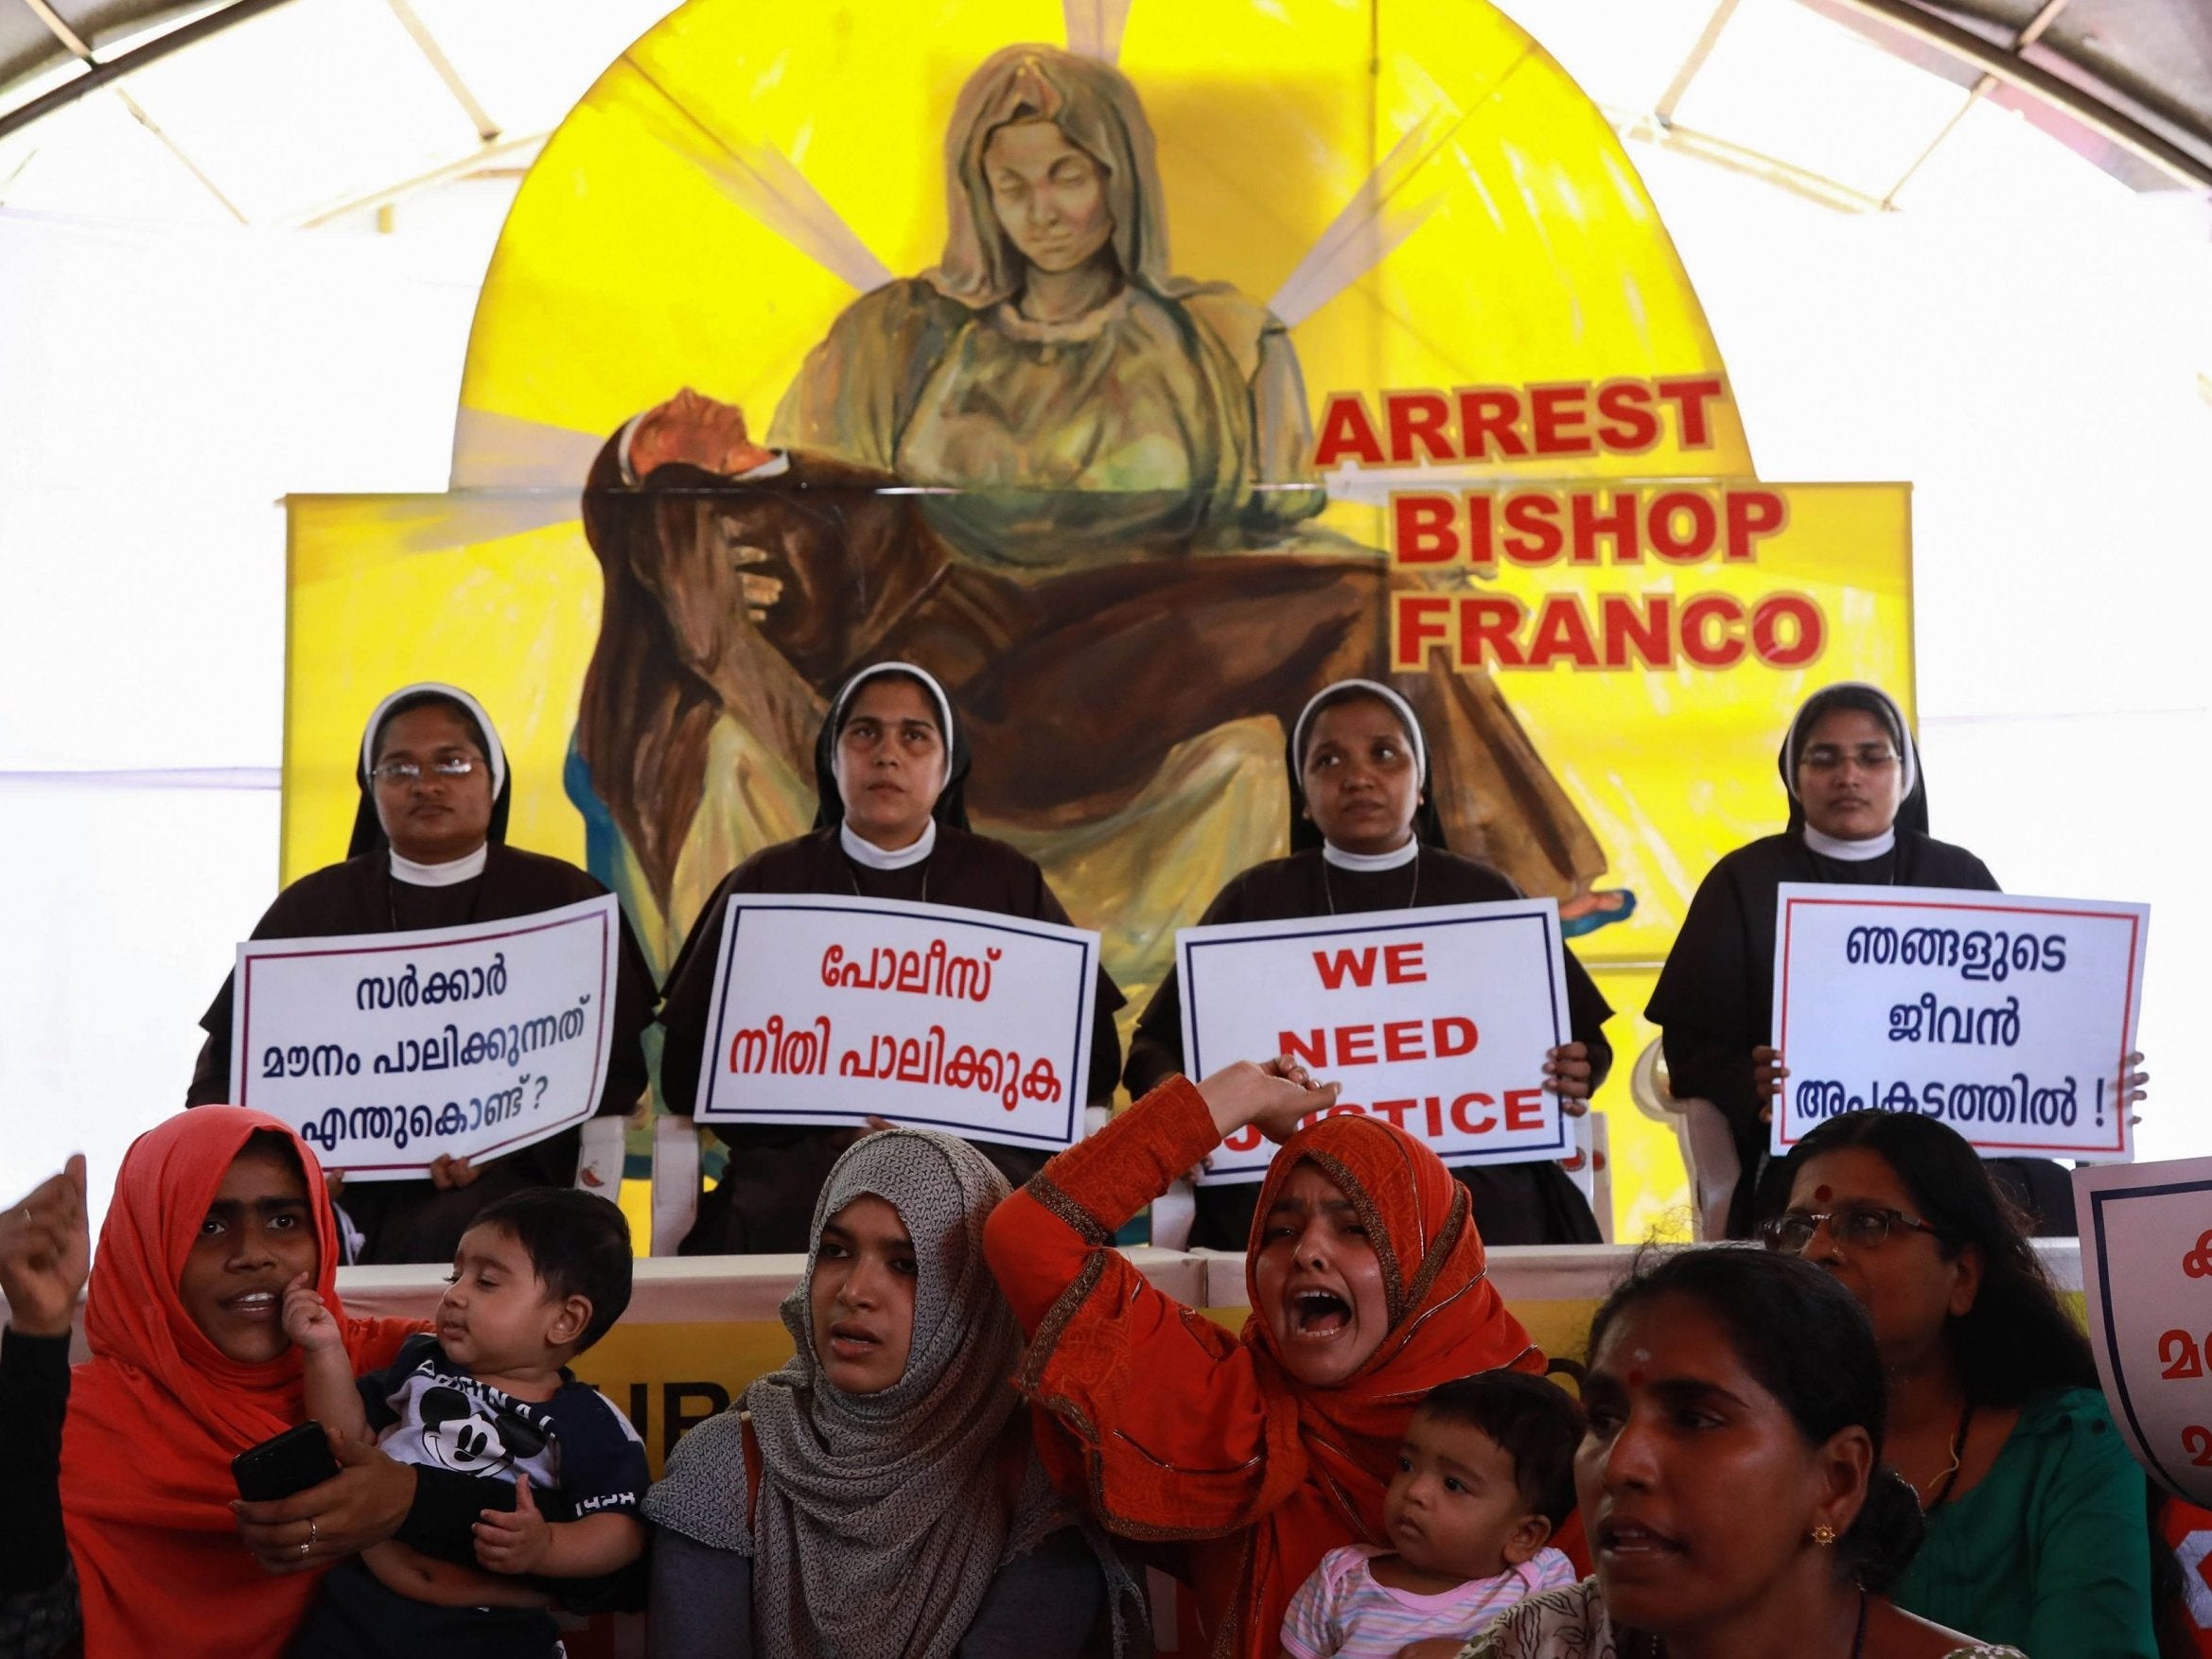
446 874
862 852
1372 861
1852 853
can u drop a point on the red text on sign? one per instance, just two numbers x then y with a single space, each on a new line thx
1381 1041
1401 964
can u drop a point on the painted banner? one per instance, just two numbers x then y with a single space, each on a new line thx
2147 1287
2009 1018
386 1051
833 1010
1437 1020
1137 370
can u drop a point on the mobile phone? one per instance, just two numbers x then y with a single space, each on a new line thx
294 1460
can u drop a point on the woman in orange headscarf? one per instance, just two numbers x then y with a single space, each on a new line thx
1265 1450
216 1212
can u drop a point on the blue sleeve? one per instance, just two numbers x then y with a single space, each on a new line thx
602 1461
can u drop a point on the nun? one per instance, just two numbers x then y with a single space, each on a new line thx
1858 816
891 823
1365 836
428 850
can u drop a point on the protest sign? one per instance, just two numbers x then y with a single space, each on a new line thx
386 1051
831 1010
2146 1289
2009 1018
1436 1020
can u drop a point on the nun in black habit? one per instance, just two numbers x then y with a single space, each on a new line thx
428 850
1365 835
891 823
1858 816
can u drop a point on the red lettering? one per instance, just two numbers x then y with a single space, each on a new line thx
1690 396
1401 964
1806 624
1704 527
1434 1110
1481 532
1590 524
1555 417
1346 429
1416 421
1335 966
1393 1109
1354 1045
1524 1109
1401 1041
1488 622
1459 1116
1699 645
1627 422
1562 632
1535 518
1422 620
1648 626
1456 1035
1314 1050
1752 515
1423 531
1243 1139
1487 415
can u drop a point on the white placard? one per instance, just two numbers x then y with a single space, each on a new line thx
830 1010
385 1049
2146 1289
1436 1020
2009 1018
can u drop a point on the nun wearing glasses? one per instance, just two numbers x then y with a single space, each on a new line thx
428 850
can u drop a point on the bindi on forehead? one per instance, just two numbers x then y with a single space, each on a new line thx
1821 1195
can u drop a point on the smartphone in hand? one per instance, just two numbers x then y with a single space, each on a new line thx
293 1461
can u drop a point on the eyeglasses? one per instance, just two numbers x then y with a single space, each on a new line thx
408 772
1860 1226
1868 757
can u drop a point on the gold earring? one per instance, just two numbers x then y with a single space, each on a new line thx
1823 1535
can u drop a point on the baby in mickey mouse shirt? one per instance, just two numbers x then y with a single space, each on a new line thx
539 1278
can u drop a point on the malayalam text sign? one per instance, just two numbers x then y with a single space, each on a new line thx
1437 1020
2147 1286
387 1049
831 1010
2009 1018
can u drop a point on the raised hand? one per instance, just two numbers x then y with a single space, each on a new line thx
306 1320
1275 1098
45 1250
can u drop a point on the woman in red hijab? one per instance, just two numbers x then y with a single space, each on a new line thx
215 1213
1268 1449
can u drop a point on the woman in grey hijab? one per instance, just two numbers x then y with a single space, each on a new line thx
877 1498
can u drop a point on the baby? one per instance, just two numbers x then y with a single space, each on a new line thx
1485 1473
539 1278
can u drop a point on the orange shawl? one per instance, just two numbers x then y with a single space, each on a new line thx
157 1414
1176 1430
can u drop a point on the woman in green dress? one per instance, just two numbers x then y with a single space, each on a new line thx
2038 1531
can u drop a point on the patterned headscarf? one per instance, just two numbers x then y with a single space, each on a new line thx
879 1524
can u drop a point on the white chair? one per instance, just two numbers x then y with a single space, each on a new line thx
675 1180
1701 1133
598 1163
1591 1167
